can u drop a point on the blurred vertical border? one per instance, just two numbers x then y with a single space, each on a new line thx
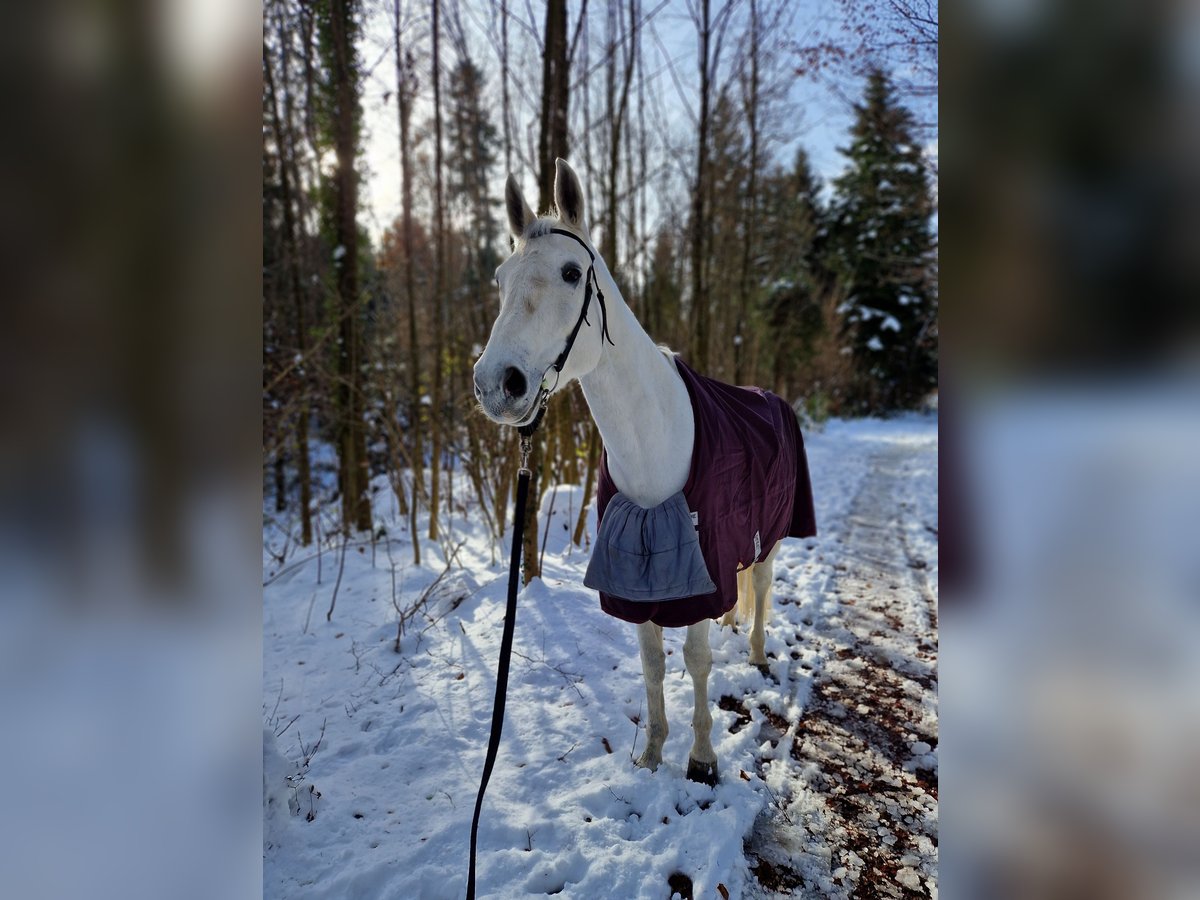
1070 490
130 498
130 494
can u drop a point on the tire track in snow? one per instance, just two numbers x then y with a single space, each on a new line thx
860 819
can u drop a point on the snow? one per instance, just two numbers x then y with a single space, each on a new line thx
372 757
874 344
1075 688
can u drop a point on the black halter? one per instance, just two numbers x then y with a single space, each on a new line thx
589 280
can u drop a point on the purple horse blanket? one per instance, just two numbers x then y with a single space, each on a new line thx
748 487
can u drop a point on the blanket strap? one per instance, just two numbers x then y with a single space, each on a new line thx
506 639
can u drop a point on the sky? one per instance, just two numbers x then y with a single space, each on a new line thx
818 118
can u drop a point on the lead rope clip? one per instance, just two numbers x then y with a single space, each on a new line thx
526 449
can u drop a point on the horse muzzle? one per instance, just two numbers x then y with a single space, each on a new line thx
505 394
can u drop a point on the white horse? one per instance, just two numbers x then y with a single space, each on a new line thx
639 402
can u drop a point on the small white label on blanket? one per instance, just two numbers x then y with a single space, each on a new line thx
695 520
757 546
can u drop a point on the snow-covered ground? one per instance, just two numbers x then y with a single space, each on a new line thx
372 754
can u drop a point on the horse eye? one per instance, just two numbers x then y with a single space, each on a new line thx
571 273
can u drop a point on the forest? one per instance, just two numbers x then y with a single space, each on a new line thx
681 121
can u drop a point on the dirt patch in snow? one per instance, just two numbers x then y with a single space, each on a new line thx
863 820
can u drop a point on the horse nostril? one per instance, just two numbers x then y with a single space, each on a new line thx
514 383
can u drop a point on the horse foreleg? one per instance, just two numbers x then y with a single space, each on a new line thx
740 611
654 670
762 575
697 655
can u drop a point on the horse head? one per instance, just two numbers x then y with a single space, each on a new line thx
550 327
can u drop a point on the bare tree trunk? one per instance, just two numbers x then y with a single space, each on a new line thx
307 25
552 144
309 39
700 311
289 229
404 112
584 93
476 466
642 182
439 287
633 281
608 236
505 473
280 482
589 485
504 104
617 107
356 500
751 213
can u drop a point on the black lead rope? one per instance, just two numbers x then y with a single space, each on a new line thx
506 639
514 566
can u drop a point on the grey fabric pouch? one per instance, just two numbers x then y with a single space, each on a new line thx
648 554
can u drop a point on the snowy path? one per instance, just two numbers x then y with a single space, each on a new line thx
867 814
828 768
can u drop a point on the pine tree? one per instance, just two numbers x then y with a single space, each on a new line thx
883 250
338 27
728 214
791 234
474 147
664 290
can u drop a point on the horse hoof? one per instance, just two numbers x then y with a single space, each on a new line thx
702 772
646 761
764 668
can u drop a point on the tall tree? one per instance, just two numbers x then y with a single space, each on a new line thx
406 87
883 249
791 241
700 312
472 142
552 140
338 28
750 90
726 214
552 143
710 33
439 290
620 50
663 289
283 142
504 101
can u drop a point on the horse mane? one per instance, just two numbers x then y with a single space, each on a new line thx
543 225
539 227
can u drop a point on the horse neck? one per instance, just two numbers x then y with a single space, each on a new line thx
641 407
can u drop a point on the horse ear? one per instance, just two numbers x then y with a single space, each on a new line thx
568 194
519 213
